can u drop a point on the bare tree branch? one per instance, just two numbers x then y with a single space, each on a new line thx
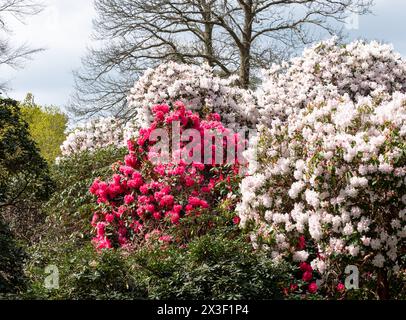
232 36
11 56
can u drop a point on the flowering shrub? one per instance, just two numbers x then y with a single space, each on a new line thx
198 88
334 173
147 195
93 135
329 70
96 134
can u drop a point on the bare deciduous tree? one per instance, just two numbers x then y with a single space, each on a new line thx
233 36
14 56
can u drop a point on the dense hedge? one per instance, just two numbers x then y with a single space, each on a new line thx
12 257
211 267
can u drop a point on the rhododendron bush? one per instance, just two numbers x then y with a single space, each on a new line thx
96 134
329 70
93 135
147 195
329 187
327 181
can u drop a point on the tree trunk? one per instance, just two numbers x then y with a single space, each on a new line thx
383 285
208 32
245 50
208 44
244 69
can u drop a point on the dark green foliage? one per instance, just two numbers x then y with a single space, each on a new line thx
212 267
12 279
70 208
25 182
83 273
23 172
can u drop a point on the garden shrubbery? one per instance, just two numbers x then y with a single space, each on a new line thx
83 273
212 266
25 181
328 186
331 70
24 172
94 135
219 265
65 236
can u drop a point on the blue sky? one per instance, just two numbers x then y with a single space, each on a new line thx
64 29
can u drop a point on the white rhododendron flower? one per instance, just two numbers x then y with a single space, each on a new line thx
300 256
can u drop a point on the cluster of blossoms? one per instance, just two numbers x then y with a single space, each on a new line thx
329 70
148 195
305 281
96 134
199 89
93 135
334 172
326 71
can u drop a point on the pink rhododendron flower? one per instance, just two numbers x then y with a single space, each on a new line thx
293 287
307 276
165 238
312 288
301 243
340 287
128 199
109 218
304 266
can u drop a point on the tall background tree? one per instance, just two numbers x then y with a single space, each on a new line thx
25 181
47 126
233 36
11 55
